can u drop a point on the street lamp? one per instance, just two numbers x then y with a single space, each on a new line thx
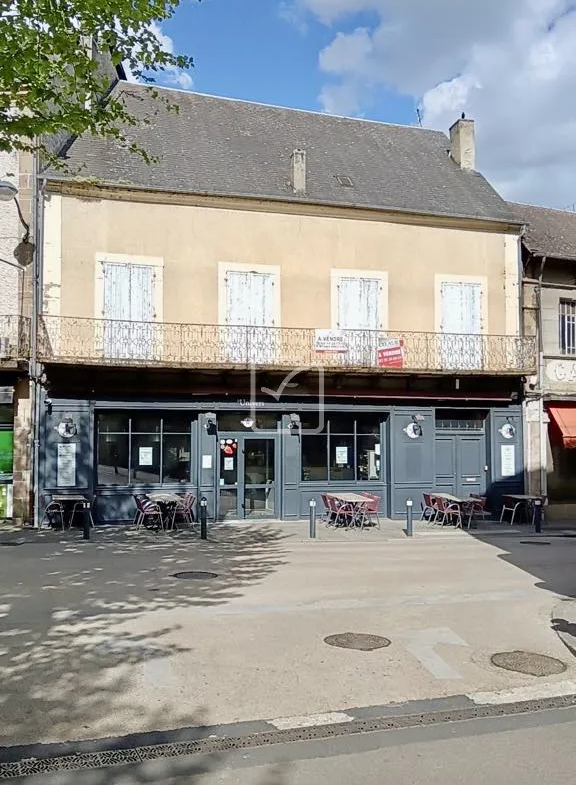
9 192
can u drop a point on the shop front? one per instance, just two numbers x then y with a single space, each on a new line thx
6 459
267 460
561 452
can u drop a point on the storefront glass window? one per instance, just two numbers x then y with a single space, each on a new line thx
176 457
368 458
342 457
143 423
113 423
6 415
133 456
349 452
314 458
113 459
145 453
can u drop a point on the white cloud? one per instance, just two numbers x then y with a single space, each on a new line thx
510 64
169 76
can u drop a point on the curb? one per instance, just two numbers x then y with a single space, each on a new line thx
21 761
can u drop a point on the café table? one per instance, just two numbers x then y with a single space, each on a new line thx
75 502
168 503
352 508
517 501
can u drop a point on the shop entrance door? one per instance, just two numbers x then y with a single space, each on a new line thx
247 477
460 464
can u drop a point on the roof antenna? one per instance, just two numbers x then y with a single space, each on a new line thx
419 114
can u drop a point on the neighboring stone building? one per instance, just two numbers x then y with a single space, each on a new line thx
549 306
15 312
371 257
17 231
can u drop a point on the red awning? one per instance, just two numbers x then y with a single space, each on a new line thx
565 419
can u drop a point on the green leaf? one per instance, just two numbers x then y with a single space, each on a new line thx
57 60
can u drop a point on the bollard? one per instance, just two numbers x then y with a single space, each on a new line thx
86 522
409 521
538 516
313 519
203 518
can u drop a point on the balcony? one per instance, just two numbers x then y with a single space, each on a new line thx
138 344
14 339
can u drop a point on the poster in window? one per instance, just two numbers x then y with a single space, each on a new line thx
341 456
228 464
66 465
146 456
508 460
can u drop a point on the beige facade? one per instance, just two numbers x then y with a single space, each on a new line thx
193 244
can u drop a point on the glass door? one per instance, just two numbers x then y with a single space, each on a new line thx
259 478
247 477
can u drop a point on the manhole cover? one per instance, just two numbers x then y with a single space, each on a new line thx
534 542
357 640
192 575
526 662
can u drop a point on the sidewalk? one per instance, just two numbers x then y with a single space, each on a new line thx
100 639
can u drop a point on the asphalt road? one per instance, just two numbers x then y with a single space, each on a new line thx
522 750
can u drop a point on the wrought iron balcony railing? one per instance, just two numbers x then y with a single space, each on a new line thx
14 338
123 343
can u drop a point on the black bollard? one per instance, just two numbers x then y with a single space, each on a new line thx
203 518
313 519
85 522
538 516
409 520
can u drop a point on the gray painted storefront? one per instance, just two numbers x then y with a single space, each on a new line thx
453 460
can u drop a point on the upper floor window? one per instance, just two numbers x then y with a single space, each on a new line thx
567 326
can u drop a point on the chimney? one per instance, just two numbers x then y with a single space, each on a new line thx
463 144
298 162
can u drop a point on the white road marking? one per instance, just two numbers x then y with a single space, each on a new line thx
422 645
553 689
311 720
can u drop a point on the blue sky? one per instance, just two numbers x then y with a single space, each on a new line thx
249 49
509 64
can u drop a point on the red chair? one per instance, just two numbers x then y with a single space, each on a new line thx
328 513
429 509
372 507
449 512
185 509
146 509
475 505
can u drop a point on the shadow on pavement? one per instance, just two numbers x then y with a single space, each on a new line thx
550 558
66 664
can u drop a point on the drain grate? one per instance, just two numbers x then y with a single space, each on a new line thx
528 663
534 542
195 575
10 544
357 640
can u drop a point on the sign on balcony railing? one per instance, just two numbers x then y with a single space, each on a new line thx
330 342
391 353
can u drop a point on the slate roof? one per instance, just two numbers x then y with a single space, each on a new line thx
548 232
221 146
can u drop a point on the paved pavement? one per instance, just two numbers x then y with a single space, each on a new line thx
98 639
